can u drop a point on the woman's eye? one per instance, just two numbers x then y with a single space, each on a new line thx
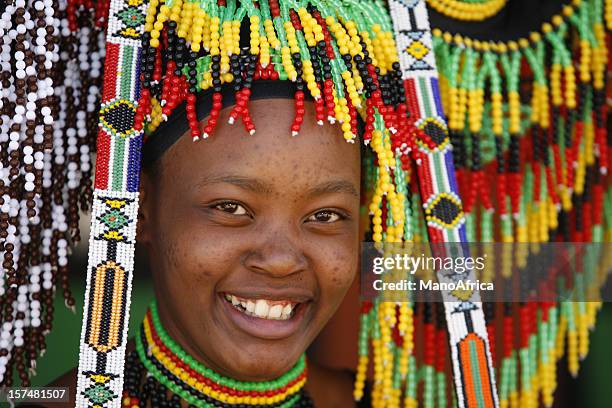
325 216
231 208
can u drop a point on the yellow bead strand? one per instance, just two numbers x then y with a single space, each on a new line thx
600 57
369 48
342 38
475 109
355 48
390 49
287 50
570 86
573 358
184 25
306 20
585 61
387 321
351 89
583 330
225 46
214 36
150 17
360 378
255 41
271 34
358 80
377 346
309 77
236 37
162 17
378 49
206 31
555 85
497 113
198 29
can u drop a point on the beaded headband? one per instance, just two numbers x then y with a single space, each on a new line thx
177 125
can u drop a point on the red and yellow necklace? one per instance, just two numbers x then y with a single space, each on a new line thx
171 370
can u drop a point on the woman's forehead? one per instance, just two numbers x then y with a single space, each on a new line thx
272 154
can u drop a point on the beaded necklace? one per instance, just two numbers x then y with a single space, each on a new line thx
468 10
497 92
170 368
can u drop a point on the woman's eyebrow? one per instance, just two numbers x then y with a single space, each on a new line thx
261 187
334 186
246 183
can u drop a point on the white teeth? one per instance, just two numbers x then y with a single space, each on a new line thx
287 310
261 308
275 311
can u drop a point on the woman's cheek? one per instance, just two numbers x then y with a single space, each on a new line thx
206 257
338 271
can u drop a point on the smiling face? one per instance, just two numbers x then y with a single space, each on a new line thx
253 240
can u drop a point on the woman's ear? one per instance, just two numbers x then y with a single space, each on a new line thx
143 226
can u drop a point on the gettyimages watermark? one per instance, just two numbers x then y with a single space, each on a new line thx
490 272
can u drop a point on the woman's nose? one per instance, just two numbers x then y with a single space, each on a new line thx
277 255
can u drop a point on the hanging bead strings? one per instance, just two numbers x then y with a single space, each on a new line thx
529 117
50 78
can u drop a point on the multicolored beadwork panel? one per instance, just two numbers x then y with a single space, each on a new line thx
471 357
119 144
107 295
114 215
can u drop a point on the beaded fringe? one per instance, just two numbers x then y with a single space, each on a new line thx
529 125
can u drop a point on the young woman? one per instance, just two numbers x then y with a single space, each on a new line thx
253 242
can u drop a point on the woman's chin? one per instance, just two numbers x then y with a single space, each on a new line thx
260 364
247 348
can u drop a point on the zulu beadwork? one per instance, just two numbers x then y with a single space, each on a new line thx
393 338
115 208
342 54
468 10
529 116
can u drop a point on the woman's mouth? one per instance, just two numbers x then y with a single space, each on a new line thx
264 308
269 319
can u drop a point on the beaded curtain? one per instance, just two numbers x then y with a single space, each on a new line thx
50 80
530 129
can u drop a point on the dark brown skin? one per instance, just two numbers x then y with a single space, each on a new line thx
266 216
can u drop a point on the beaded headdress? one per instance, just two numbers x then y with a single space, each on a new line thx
371 61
